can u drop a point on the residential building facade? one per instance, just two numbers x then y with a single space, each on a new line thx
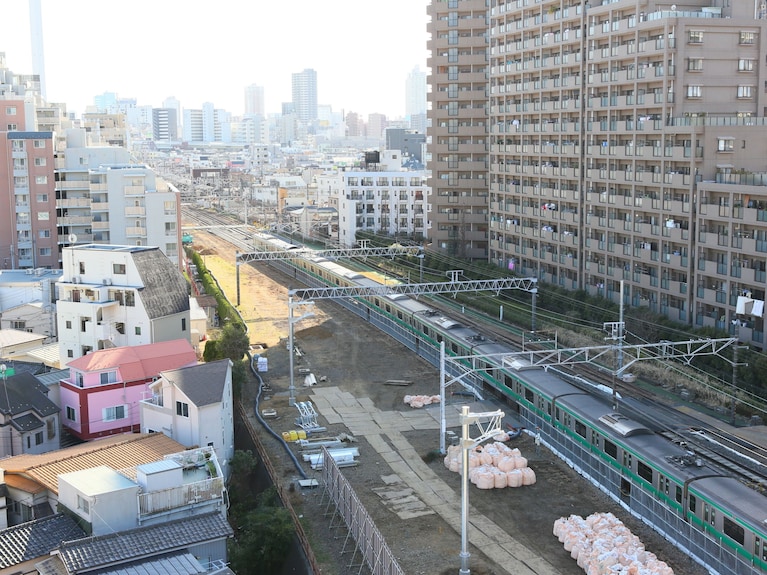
29 420
305 95
194 406
459 127
628 146
102 392
117 296
388 200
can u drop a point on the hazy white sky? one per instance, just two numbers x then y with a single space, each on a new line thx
208 51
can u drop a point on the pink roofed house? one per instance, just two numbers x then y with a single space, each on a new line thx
102 393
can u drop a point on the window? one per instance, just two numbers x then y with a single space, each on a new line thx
44 233
745 65
182 409
39 438
43 216
693 504
644 471
70 353
695 64
733 530
183 324
744 92
113 413
108 377
169 207
79 379
747 37
50 427
120 328
10 110
18 324
170 227
83 505
138 330
695 37
694 91
71 413
725 145
45 251
40 161
69 324
12 127
118 269
611 449
42 180
38 143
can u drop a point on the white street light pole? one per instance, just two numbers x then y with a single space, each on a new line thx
492 427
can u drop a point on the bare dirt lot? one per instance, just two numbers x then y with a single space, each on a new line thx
357 360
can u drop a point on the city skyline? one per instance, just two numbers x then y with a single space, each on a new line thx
362 54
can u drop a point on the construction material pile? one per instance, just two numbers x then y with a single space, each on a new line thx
418 401
601 543
492 466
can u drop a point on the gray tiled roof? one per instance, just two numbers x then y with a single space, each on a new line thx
165 290
36 538
203 383
115 548
23 392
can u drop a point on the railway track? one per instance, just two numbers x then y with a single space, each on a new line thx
720 448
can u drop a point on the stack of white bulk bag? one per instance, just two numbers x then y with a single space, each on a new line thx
418 401
493 466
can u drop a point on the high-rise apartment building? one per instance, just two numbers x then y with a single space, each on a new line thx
164 125
458 117
627 144
305 95
415 93
254 100
28 236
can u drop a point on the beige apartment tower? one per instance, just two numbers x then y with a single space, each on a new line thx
458 144
627 143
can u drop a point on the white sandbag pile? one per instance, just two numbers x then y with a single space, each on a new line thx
492 466
418 401
602 544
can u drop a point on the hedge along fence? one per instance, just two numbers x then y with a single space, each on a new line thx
211 287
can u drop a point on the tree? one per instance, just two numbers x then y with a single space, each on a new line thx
233 342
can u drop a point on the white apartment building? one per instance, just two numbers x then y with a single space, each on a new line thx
102 197
112 295
387 200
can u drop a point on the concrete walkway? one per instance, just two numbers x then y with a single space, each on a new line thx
415 489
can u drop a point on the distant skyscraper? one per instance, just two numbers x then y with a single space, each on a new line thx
305 95
254 100
36 37
415 93
164 125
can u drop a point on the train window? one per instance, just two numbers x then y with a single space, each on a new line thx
678 494
388 308
580 429
644 471
529 395
733 530
556 414
611 449
399 315
693 504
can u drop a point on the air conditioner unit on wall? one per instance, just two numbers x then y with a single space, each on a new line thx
107 281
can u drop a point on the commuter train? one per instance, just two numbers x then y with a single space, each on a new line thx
707 512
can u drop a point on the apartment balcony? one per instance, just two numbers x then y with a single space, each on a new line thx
73 221
99 206
135 232
73 185
73 203
134 191
100 225
135 211
81 238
